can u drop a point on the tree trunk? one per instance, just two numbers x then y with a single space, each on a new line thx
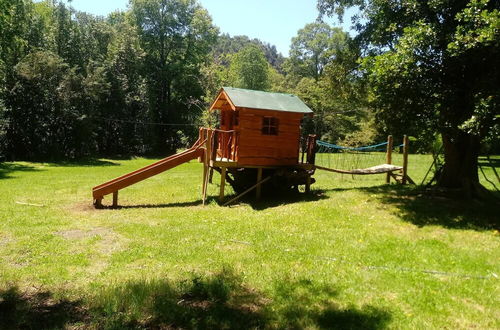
460 169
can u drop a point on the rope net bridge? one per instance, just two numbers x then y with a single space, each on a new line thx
365 160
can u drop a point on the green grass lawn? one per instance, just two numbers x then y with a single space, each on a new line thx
355 253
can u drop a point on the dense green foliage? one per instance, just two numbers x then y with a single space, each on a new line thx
75 85
433 66
249 69
138 82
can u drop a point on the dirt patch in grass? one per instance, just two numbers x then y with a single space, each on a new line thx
4 240
81 234
82 206
109 241
104 241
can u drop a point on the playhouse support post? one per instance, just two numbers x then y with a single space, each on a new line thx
210 175
258 191
208 153
311 149
222 183
389 157
308 184
405 159
115 199
205 169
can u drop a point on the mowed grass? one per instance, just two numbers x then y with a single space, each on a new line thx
355 253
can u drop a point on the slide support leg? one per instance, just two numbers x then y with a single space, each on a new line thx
115 199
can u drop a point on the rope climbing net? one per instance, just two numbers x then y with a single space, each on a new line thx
363 160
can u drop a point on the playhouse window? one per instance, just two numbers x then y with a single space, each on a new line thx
270 126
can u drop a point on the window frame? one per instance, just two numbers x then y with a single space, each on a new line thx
270 126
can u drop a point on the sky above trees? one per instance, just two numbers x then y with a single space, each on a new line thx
275 22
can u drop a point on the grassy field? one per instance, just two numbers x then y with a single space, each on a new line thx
355 253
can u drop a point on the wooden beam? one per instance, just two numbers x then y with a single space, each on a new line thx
210 175
379 169
222 184
217 99
98 203
388 156
203 184
258 192
247 191
115 199
231 104
410 180
405 159
206 167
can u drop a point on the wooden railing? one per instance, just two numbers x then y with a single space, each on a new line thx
226 144
223 144
308 146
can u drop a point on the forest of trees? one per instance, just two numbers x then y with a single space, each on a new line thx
138 82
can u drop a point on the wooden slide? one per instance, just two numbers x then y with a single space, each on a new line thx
98 192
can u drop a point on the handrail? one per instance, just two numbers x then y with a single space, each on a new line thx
224 143
221 130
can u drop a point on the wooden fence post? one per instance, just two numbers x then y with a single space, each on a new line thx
311 149
388 159
405 159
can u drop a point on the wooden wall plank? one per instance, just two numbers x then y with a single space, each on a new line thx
256 148
263 161
269 152
276 142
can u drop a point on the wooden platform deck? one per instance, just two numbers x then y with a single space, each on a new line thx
224 162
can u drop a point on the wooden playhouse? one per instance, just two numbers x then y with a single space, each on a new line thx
259 137
257 145
257 142
266 125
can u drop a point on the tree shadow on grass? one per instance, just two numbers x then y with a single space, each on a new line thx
305 304
217 301
265 202
88 162
38 310
7 169
424 208
160 205
280 198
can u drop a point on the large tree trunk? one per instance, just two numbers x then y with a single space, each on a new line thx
460 169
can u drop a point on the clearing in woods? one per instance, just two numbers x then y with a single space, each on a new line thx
355 253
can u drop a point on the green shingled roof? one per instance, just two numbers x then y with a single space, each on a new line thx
247 98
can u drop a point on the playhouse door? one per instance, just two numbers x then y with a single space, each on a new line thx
230 120
226 120
227 139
